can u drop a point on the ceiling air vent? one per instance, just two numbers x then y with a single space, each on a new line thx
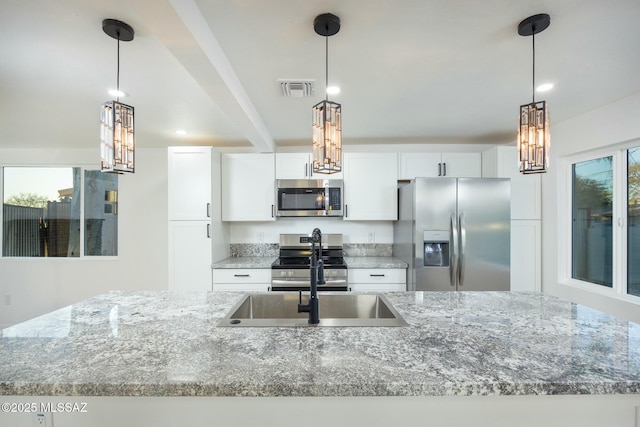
297 88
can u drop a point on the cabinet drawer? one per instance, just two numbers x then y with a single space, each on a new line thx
377 275
245 275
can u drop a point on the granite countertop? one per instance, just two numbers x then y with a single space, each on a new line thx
245 262
458 343
374 262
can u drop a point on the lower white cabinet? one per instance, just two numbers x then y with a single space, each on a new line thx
244 279
377 279
190 253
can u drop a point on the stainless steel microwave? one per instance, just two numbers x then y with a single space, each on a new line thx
309 197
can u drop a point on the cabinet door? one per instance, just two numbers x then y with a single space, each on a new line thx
526 265
190 256
462 165
189 183
413 165
293 166
370 186
248 187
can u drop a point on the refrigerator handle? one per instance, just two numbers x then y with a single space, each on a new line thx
453 253
463 247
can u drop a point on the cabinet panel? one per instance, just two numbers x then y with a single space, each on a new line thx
462 165
248 187
370 186
299 166
429 165
189 190
243 275
190 255
377 279
414 165
526 255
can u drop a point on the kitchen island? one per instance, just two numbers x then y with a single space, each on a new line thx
484 350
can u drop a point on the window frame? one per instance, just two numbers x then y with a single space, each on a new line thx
619 248
82 256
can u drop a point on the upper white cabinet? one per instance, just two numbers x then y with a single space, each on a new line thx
189 183
248 187
457 165
370 186
299 166
502 162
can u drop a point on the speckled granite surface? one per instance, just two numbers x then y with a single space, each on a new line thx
167 344
374 262
246 262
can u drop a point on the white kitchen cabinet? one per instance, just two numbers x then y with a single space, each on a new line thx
190 255
456 165
248 187
377 279
189 186
245 279
299 166
370 186
526 254
197 236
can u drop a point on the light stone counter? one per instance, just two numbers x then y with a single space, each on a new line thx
374 262
246 262
459 343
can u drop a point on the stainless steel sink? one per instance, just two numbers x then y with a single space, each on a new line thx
281 309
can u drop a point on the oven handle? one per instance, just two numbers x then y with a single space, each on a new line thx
329 282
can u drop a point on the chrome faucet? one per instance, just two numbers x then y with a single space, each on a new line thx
317 278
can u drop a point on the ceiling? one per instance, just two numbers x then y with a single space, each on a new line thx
411 71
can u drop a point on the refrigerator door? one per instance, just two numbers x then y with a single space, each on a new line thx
434 242
484 228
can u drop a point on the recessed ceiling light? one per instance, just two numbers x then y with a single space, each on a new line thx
333 90
544 87
117 93
181 132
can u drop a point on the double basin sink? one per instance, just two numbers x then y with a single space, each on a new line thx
281 310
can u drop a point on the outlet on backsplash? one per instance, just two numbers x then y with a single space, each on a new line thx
260 237
372 237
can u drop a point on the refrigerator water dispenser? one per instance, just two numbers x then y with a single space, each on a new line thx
436 248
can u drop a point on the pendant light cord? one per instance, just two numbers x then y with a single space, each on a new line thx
326 66
118 71
533 82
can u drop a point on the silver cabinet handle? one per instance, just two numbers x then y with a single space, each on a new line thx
346 210
376 275
273 211
453 254
208 231
463 247
208 210
240 275
306 166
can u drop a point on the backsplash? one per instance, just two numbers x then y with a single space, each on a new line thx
272 249
254 249
367 249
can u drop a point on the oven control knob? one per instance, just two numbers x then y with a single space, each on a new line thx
290 273
282 273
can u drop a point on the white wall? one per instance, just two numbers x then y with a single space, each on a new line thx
31 287
609 125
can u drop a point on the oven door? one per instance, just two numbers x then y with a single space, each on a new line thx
300 198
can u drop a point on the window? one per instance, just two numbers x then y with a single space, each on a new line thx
42 212
605 221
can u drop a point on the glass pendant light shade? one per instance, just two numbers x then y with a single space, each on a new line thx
327 137
326 148
117 144
117 136
534 137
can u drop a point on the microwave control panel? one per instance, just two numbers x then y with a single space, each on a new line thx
335 202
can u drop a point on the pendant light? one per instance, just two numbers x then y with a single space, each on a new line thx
117 143
534 137
327 115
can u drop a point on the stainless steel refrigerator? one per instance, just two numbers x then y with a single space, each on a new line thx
454 233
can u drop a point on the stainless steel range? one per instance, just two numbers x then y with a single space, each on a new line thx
290 272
